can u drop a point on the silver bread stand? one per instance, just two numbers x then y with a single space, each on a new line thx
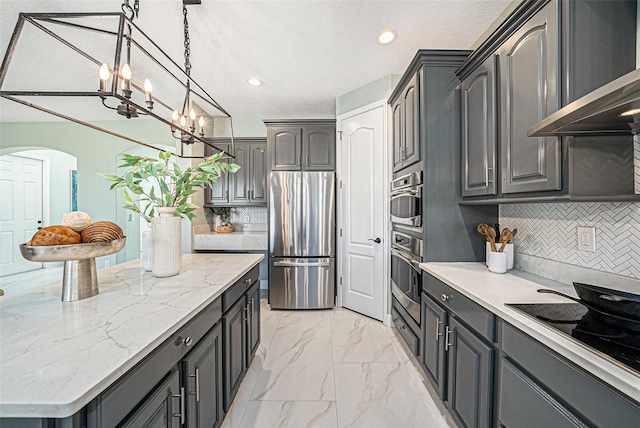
79 278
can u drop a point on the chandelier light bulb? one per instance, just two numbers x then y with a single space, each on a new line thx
192 115
126 72
201 121
148 87
183 121
174 117
104 76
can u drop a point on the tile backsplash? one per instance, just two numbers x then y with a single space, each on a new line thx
549 231
249 215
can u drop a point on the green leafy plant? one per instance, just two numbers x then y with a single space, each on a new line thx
175 184
223 212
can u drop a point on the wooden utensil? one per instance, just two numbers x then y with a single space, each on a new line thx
482 227
505 237
490 233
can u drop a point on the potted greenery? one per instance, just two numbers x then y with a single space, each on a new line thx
175 184
164 208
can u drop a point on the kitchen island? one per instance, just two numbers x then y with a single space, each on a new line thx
56 357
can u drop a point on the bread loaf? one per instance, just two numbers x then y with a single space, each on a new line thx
102 231
76 220
55 235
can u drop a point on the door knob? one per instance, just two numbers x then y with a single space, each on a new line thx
377 240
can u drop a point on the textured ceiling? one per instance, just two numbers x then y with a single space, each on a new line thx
307 52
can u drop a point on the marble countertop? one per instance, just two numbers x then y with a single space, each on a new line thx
493 291
57 356
251 241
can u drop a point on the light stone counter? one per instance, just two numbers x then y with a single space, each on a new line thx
493 291
56 356
235 241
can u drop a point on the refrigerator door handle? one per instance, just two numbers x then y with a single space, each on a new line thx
309 264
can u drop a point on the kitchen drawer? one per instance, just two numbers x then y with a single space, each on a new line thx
239 288
588 397
474 315
127 392
405 331
523 403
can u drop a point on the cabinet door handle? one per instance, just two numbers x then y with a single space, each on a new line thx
438 334
197 379
444 297
489 175
245 312
248 281
447 344
306 160
252 307
180 414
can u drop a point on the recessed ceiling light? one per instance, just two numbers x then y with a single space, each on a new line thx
254 81
387 36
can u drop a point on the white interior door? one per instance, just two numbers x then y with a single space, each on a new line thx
20 210
362 212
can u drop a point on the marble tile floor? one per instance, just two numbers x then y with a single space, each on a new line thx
331 368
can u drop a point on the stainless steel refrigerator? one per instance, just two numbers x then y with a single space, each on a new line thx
302 240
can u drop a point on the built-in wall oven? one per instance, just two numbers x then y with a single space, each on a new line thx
406 276
406 201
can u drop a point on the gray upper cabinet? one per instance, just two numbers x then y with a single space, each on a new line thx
319 148
248 185
479 133
529 93
285 147
301 145
406 126
218 192
544 55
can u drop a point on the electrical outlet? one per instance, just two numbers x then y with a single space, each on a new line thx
247 219
587 239
106 263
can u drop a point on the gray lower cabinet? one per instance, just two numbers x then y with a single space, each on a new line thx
541 388
459 365
241 326
459 361
301 145
202 374
163 409
528 82
470 376
479 130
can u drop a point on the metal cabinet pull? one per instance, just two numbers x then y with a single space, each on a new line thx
438 334
447 344
306 161
188 341
245 314
248 281
180 414
197 378
444 297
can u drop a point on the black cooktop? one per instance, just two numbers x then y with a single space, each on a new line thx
618 341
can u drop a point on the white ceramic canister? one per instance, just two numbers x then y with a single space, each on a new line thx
167 243
497 262
507 249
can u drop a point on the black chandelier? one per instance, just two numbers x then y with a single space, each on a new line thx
125 85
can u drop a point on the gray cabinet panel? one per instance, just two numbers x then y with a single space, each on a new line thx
258 173
253 330
479 133
528 74
286 148
470 377
398 135
234 336
159 410
523 403
203 381
411 102
434 320
239 182
319 148
218 192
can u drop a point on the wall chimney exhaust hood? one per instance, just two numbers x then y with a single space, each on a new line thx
611 109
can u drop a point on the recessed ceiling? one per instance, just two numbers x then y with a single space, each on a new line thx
307 52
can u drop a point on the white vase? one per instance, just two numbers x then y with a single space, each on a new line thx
217 221
167 243
147 248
